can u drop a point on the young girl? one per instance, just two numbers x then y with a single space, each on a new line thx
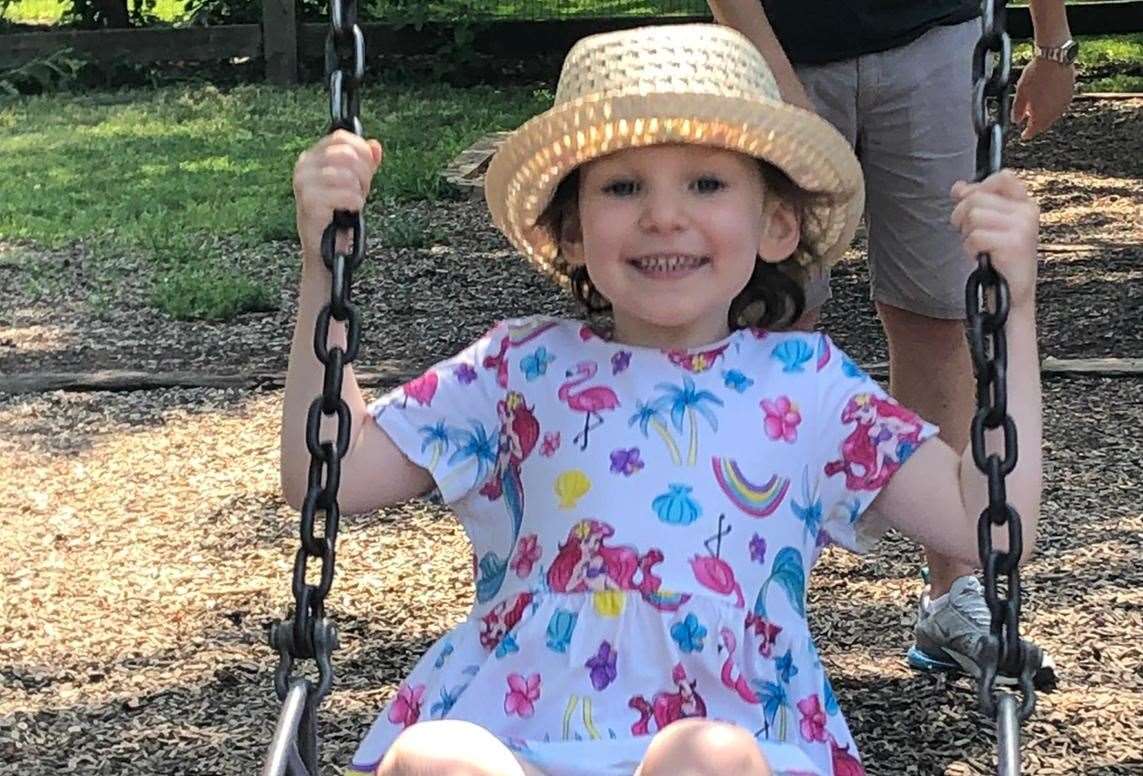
646 504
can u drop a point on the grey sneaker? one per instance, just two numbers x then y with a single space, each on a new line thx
950 636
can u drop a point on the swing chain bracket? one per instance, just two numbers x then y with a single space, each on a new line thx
987 305
308 634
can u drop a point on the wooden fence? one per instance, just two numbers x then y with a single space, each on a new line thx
282 42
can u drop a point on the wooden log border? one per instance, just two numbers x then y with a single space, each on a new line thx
389 374
281 41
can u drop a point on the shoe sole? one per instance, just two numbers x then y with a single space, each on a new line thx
1044 679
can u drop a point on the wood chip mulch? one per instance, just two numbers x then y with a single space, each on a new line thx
145 547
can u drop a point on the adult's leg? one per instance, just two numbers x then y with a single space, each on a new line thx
451 747
930 371
917 139
696 747
833 90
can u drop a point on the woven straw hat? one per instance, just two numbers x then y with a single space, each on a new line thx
692 83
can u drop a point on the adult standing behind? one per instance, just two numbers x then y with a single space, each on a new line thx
894 77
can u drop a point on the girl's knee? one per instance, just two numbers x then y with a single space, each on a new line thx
696 747
448 748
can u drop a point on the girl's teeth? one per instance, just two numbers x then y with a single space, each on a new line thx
668 263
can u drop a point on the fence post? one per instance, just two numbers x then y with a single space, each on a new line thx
280 41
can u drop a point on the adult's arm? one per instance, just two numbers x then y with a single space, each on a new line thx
749 18
1045 88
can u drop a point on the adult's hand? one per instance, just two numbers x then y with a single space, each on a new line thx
1043 93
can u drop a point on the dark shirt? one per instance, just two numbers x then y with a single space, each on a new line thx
819 31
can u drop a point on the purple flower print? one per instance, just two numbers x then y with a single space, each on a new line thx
522 695
758 549
626 462
602 666
465 374
620 361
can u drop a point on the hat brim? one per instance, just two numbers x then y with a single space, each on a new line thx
530 163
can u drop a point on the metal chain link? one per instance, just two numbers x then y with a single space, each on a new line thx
309 634
986 301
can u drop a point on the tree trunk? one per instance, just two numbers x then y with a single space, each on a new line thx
113 13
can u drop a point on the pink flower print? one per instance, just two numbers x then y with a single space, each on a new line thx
406 708
782 418
527 553
550 444
465 374
522 694
421 389
813 719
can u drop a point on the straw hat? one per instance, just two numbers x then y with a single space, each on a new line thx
688 83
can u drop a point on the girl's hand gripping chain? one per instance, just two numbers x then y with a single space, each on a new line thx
336 173
938 494
997 217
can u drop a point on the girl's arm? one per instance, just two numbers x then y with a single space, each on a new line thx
937 496
335 174
749 18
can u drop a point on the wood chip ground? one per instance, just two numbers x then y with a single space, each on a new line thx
145 547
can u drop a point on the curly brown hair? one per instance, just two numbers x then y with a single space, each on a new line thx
772 298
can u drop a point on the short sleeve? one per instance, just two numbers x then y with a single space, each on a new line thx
446 421
865 437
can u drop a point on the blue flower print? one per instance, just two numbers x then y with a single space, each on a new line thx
560 629
850 369
626 461
689 634
736 381
676 507
793 354
443 656
536 364
506 646
785 666
831 706
440 709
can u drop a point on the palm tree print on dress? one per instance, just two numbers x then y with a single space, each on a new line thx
691 403
650 416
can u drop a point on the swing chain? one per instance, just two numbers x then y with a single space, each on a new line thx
987 304
310 634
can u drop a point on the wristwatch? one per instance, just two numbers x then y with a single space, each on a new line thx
1064 54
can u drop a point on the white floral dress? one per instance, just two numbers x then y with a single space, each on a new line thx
644 523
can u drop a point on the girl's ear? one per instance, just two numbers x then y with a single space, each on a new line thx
781 232
571 238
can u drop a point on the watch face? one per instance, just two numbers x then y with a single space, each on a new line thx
1070 51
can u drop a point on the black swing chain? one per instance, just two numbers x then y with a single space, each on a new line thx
309 634
987 289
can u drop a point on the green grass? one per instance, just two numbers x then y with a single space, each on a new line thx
50 11
1106 63
168 174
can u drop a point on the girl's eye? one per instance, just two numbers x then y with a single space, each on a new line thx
621 188
708 185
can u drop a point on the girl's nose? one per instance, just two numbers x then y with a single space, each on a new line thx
662 212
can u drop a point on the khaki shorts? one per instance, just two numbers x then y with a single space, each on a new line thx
907 113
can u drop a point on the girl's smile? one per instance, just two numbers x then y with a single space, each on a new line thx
670 235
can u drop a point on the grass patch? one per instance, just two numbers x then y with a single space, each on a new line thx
130 170
204 291
168 174
1111 63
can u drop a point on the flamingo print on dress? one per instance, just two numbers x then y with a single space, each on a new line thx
590 401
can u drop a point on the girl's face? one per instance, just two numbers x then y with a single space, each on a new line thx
670 234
